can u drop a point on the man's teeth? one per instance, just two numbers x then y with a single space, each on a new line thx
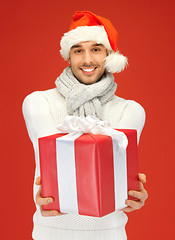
88 69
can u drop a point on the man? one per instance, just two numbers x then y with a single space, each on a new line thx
85 88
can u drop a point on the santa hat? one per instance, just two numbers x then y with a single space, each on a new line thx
86 26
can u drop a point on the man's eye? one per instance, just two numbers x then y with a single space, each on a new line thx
96 49
78 51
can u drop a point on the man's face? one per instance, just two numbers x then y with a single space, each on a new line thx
87 61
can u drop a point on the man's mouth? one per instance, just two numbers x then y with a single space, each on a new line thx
88 70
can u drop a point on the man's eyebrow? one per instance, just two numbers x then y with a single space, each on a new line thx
97 44
76 46
93 45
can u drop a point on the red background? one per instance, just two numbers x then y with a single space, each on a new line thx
30 34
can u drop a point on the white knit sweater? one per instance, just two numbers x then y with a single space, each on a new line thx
42 111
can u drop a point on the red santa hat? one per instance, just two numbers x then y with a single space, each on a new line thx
86 26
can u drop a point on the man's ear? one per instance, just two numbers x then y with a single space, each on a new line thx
68 60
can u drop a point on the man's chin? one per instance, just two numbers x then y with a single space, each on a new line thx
88 80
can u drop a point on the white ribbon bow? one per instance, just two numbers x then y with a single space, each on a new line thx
91 124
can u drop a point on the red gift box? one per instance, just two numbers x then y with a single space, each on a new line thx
82 174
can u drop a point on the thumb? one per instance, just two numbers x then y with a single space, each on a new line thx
142 177
38 181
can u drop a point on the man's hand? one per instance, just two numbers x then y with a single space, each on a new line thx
141 195
43 201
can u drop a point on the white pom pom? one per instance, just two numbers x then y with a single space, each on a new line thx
115 62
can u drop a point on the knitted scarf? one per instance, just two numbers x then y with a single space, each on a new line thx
82 99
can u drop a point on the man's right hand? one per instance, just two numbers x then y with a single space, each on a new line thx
43 201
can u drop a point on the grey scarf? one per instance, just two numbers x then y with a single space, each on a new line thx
82 99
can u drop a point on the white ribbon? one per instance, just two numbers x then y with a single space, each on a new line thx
92 124
76 126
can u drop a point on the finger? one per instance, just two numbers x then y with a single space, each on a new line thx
42 201
142 177
135 205
141 187
127 209
38 181
142 195
50 213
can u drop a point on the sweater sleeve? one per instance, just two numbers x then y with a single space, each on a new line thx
38 118
133 117
39 123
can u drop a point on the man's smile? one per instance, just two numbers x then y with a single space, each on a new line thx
88 71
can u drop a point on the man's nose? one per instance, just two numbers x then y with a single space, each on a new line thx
88 59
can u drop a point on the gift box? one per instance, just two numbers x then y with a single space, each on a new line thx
88 174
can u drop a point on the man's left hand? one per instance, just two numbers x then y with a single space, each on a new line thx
141 195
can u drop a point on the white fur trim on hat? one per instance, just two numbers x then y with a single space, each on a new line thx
82 34
114 62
